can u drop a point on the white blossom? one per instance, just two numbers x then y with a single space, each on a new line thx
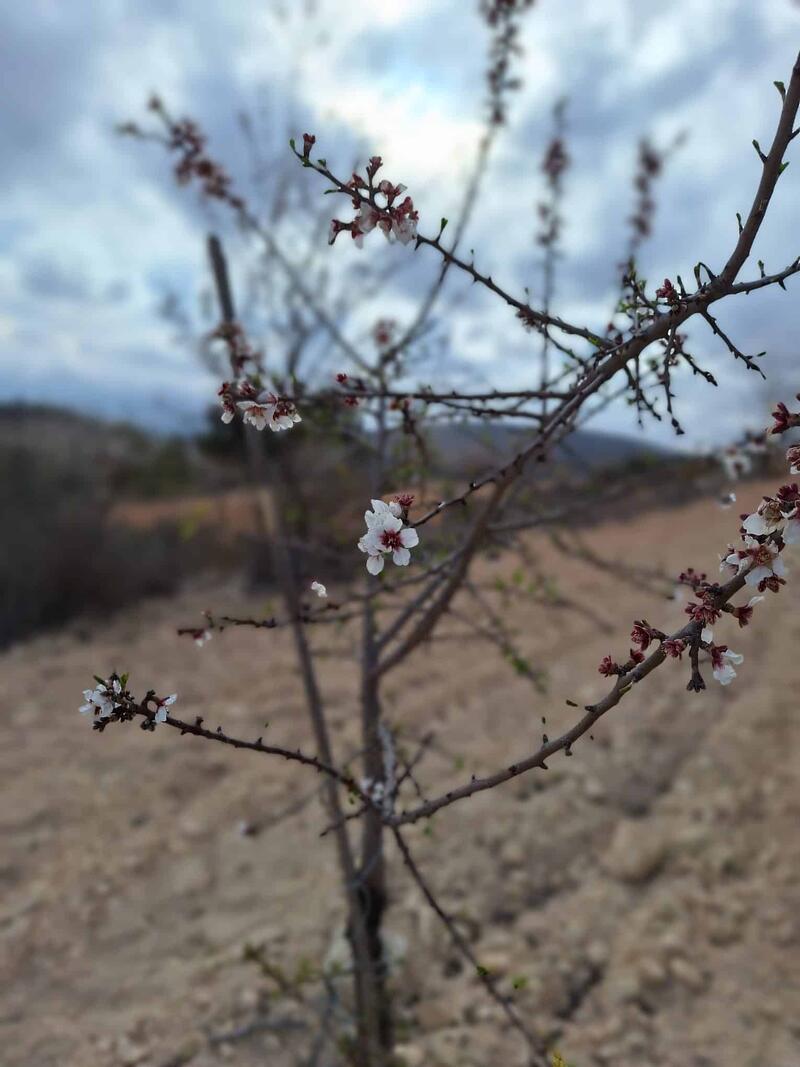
202 638
723 661
763 559
404 229
101 700
367 219
386 534
376 791
319 589
269 410
728 569
161 713
765 520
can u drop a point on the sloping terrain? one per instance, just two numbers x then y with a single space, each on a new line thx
644 894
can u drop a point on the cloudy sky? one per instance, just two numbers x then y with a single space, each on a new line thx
94 233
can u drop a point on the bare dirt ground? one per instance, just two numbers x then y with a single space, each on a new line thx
647 890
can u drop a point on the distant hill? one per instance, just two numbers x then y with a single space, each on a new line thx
113 456
64 436
143 463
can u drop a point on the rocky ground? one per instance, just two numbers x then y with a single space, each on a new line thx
644 895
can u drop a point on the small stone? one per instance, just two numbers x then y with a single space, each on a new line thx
623 985
249 998
597 953
410 1055
672 940
637 850
129 1052
496 961
594 789
652 970
687 974
512 854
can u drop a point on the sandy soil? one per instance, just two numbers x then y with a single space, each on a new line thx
647 890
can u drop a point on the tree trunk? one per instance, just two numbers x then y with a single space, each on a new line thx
372 870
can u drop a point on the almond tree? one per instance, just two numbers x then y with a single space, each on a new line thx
435 544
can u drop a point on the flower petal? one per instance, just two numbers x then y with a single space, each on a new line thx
725 674
754 524
757 574
409 537
375 564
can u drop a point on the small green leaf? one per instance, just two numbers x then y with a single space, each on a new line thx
781 89
291 143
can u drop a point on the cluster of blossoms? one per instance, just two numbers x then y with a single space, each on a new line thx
102 701
386 533
396 219
765 534
258 406
319 589
378 793
110 699
261 409
187 139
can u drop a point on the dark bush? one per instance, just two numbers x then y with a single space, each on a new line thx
62 557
